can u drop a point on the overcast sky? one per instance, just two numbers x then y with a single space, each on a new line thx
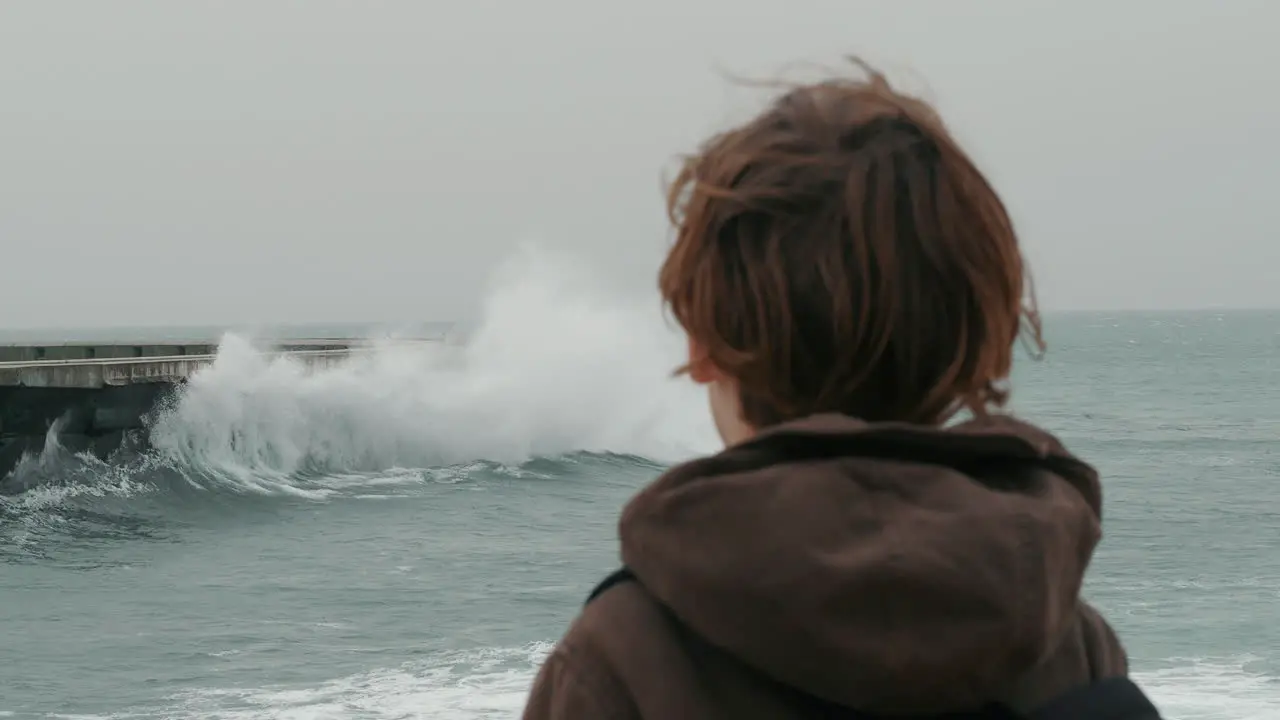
203 162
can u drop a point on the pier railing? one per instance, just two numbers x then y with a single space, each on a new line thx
100 372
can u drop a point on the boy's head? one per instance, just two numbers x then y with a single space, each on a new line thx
841 253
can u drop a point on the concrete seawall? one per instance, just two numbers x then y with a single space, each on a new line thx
102 394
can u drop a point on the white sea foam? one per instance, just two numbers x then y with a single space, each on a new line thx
557 364
482 685
1213 689
493 684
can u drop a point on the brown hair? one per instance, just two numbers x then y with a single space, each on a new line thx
841 253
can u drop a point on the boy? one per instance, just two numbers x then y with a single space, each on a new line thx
850 284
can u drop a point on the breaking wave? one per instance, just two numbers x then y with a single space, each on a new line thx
493 683
558 364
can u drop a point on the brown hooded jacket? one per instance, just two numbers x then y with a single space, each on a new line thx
829 564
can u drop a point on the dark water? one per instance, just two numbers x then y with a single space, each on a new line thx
372 542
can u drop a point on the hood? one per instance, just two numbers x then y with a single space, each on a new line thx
888 567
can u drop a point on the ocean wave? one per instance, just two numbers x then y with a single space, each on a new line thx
493 684
557 365
483 684
83 499
1213 689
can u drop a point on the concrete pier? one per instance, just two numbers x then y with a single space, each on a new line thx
103 392
97 366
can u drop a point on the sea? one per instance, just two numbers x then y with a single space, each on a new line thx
407 535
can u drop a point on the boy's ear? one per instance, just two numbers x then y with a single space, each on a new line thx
701 369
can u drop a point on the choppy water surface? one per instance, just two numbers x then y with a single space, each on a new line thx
405 536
